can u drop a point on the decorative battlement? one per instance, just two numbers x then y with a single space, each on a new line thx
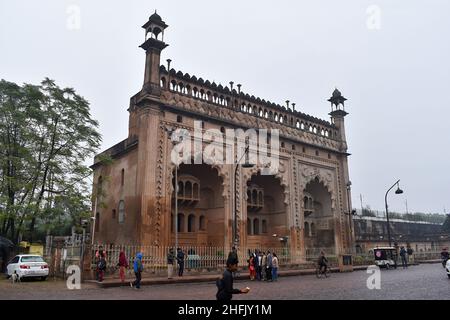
238 101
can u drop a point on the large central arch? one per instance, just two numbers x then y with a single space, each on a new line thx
267 212
319 221
201 206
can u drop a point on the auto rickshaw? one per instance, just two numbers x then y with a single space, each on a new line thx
385 257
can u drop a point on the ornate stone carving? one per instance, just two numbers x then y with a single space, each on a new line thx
245 120
309 173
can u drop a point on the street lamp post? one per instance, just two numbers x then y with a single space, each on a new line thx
398 191
350 212
245 165
175 227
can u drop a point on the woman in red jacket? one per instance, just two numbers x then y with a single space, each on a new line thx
123 264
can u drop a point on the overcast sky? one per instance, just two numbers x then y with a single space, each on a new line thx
391 59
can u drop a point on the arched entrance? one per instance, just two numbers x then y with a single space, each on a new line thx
319 233
201 209
267 220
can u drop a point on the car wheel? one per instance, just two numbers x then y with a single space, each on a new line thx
388 266
43 278
448 275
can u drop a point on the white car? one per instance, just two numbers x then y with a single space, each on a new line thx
28 266
447 268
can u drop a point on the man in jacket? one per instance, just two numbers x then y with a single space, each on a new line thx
225 284
403 256
138 268
180 259
269 267
170 262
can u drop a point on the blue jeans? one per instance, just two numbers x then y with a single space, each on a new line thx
274 274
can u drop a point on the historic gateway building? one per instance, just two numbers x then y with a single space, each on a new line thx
304 204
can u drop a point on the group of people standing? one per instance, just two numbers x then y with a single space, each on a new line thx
138 267
263 266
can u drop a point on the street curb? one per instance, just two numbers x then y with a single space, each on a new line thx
208 278
213 278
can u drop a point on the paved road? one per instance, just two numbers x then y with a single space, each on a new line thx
427 281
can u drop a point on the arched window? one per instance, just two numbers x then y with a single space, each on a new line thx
99 187
249 227
121 211
306 229
180 222
256 226
97 222
264 226
201 223
313 229
188 189
249 197
255 197
180 189
196 194
191 223
260 198
122 177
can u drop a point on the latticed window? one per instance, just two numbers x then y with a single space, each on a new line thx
121 211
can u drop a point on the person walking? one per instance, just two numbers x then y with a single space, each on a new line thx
180 260
269 267
258 266
170 261
251 267
264 266
225 284
123 265
138 268
274 267
98 256
403 257
101 267
410 252
444 256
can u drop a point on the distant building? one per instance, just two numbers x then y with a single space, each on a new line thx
371 232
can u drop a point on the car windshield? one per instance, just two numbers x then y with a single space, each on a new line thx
32 259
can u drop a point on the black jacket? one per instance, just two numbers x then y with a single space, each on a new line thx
226 291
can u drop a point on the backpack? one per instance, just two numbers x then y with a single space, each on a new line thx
220 295
101 264
219 284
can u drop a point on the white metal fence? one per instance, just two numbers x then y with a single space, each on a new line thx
196 258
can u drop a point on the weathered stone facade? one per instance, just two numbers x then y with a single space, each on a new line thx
306 201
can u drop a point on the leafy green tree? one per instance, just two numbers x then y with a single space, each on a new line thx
47 137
